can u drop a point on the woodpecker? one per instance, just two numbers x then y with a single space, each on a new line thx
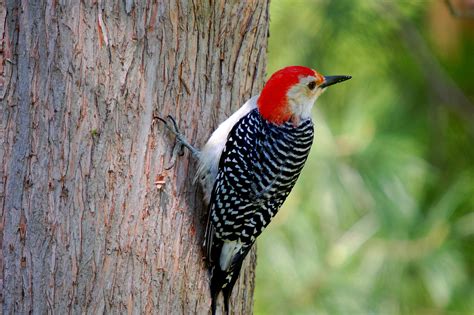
249 166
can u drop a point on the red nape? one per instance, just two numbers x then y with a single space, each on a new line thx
273 102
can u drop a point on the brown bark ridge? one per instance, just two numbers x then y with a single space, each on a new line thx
91 220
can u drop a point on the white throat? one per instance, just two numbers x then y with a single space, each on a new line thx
301 99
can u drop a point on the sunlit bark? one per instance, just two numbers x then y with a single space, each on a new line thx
92 221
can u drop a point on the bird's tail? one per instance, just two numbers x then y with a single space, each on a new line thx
224 280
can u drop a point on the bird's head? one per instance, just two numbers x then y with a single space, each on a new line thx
290 93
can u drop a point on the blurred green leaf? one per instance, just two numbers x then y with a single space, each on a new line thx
381 220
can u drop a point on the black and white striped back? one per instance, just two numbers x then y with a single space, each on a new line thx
258 167
257 170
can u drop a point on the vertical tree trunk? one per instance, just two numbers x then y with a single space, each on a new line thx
92 221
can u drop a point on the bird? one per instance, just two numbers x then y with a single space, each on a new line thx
249 166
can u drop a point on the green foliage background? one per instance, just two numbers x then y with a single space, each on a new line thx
381 220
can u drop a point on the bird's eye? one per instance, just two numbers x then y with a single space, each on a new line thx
312 85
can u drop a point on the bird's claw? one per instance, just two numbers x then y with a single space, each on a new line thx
178 149
174 129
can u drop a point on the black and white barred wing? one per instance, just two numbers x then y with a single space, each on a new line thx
258 168
232 193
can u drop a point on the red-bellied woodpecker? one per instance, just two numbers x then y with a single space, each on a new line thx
250 164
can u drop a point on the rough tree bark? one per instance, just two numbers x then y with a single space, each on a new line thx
91 219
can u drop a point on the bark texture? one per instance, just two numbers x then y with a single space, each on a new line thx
91 219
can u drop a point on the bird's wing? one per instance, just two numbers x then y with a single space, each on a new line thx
235 178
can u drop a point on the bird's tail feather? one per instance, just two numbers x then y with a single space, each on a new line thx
224 280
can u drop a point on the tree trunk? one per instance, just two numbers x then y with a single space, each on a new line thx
92 220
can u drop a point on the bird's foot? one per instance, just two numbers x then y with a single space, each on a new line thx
181 140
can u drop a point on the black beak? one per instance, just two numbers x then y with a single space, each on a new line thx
333 79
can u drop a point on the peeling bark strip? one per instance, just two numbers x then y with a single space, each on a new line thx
91 221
